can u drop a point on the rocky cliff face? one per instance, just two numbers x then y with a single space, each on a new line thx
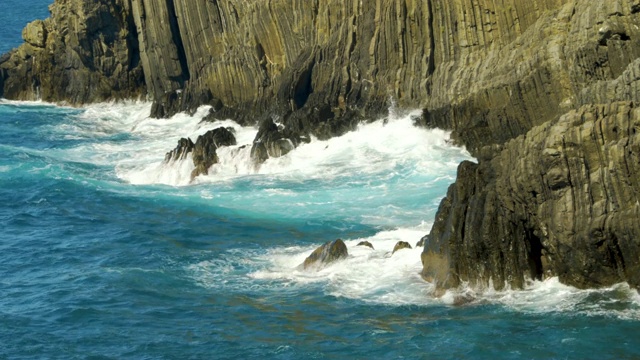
320 65
87 51
551 115
543 93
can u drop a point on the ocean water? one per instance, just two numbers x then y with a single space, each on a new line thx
108 253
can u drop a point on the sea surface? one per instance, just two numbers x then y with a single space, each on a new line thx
106 252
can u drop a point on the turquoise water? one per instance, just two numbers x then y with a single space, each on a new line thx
107 253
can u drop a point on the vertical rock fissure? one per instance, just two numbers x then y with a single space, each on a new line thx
534 247
177 40
304 86
431 68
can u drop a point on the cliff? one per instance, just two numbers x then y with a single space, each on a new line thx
543 93
87 51
552 118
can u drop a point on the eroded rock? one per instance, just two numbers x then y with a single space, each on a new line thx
566 207
272 141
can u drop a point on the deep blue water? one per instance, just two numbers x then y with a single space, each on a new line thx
106 253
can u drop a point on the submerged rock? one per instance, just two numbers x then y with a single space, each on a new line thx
365 243
401 245
329 252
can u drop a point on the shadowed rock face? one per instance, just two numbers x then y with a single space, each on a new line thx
562 201
329 252
543 93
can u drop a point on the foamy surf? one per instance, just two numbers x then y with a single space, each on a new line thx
372 275
376 276
374 148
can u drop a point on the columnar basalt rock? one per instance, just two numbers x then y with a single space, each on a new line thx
560 201
554 132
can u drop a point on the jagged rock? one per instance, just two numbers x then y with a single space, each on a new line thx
87 51
204 150
422 240
401 245
365 243
329 252
185 146
272 141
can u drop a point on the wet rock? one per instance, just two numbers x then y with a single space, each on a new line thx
204 150
272 141
185 146
422 240
401 245
365 243
329 252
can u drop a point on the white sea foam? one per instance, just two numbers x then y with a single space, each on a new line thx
373 148
371 275
378 277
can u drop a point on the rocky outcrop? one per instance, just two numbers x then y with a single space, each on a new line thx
87 51
274 141
182 150
203 152
328 253
401 245
554 189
